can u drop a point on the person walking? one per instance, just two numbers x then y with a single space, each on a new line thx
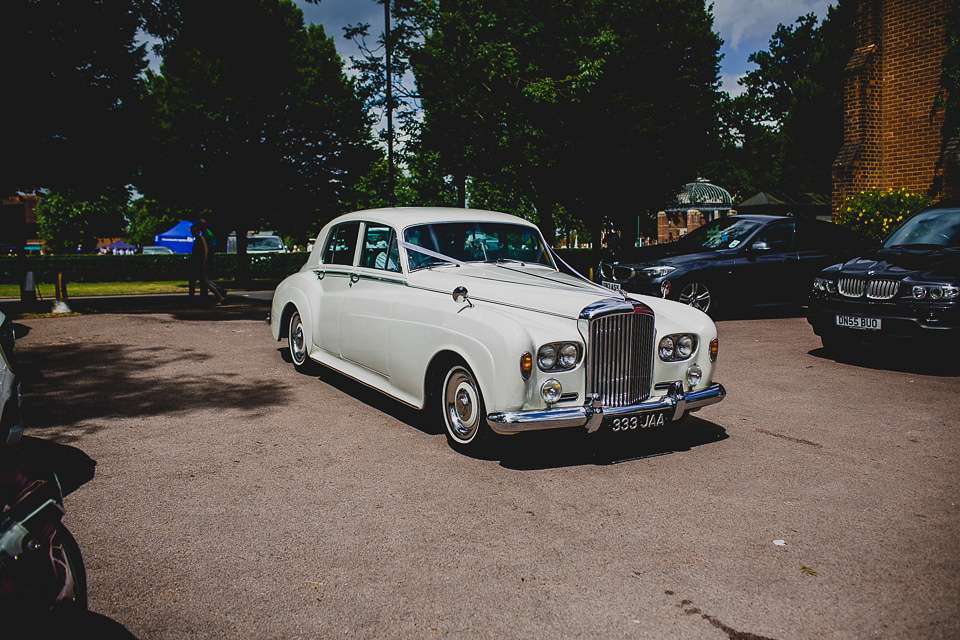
201 258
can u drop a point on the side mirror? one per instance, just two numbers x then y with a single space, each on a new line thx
460 295
760 246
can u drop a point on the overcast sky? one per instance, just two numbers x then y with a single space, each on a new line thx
744 25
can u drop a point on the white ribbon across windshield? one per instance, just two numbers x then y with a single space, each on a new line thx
433 254
439 256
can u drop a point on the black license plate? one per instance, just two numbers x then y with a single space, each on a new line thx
634 423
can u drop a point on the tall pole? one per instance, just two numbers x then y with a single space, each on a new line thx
389 96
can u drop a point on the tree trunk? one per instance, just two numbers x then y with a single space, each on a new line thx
242 275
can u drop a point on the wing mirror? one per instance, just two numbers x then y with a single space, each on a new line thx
760 245
460 295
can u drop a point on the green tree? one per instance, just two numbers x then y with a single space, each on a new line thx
254 119
67 221
71 99
591 108
784 132
146 218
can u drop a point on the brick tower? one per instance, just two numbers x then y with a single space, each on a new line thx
893 129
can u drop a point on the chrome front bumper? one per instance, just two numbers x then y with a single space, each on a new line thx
674 404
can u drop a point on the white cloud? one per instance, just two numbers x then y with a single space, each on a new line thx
747 21
728 83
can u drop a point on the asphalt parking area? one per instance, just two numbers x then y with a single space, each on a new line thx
233 497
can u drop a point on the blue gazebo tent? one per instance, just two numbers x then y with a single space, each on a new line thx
178 238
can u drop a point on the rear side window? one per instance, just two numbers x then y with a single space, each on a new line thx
341 244
778 236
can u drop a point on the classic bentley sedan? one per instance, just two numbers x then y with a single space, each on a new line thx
465 314
908 289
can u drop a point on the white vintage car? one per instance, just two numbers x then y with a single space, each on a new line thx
465 313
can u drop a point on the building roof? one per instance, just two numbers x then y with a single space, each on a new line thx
701 195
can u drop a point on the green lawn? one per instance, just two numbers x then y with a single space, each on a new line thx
46 291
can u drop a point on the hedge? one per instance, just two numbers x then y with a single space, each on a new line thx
148 268
155 268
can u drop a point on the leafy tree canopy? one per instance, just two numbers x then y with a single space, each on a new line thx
71 73
254 117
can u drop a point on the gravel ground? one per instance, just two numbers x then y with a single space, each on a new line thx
232 497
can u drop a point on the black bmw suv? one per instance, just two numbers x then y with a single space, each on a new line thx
909 288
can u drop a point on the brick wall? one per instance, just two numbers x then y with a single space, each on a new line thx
893 134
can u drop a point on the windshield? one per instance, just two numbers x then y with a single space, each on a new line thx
940 227
725 233
264 243
475 242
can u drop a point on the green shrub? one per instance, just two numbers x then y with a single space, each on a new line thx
876 212
146 268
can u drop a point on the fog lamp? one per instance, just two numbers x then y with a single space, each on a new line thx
694 373
551 390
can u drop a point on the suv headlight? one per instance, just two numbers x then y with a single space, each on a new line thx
558 356
934 292
824 285
657 271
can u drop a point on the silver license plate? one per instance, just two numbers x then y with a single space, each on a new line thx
858 322
612 285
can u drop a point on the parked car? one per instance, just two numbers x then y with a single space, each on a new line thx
258 243
909 288
148 251
464 313
734 262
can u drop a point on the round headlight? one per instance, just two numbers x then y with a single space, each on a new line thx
694 373
936 293
666 348
684 346
919 292
568 355
547 357
550 391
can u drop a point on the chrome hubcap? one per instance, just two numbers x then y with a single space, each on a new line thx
296 340
461 405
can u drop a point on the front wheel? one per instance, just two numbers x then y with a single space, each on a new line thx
696 295
463 412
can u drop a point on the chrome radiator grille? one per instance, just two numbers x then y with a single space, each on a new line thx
874 289
620 359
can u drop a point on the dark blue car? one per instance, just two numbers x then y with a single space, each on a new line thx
734 262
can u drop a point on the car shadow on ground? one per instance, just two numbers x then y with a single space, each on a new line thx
573 447
542 449
416 418
898 358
